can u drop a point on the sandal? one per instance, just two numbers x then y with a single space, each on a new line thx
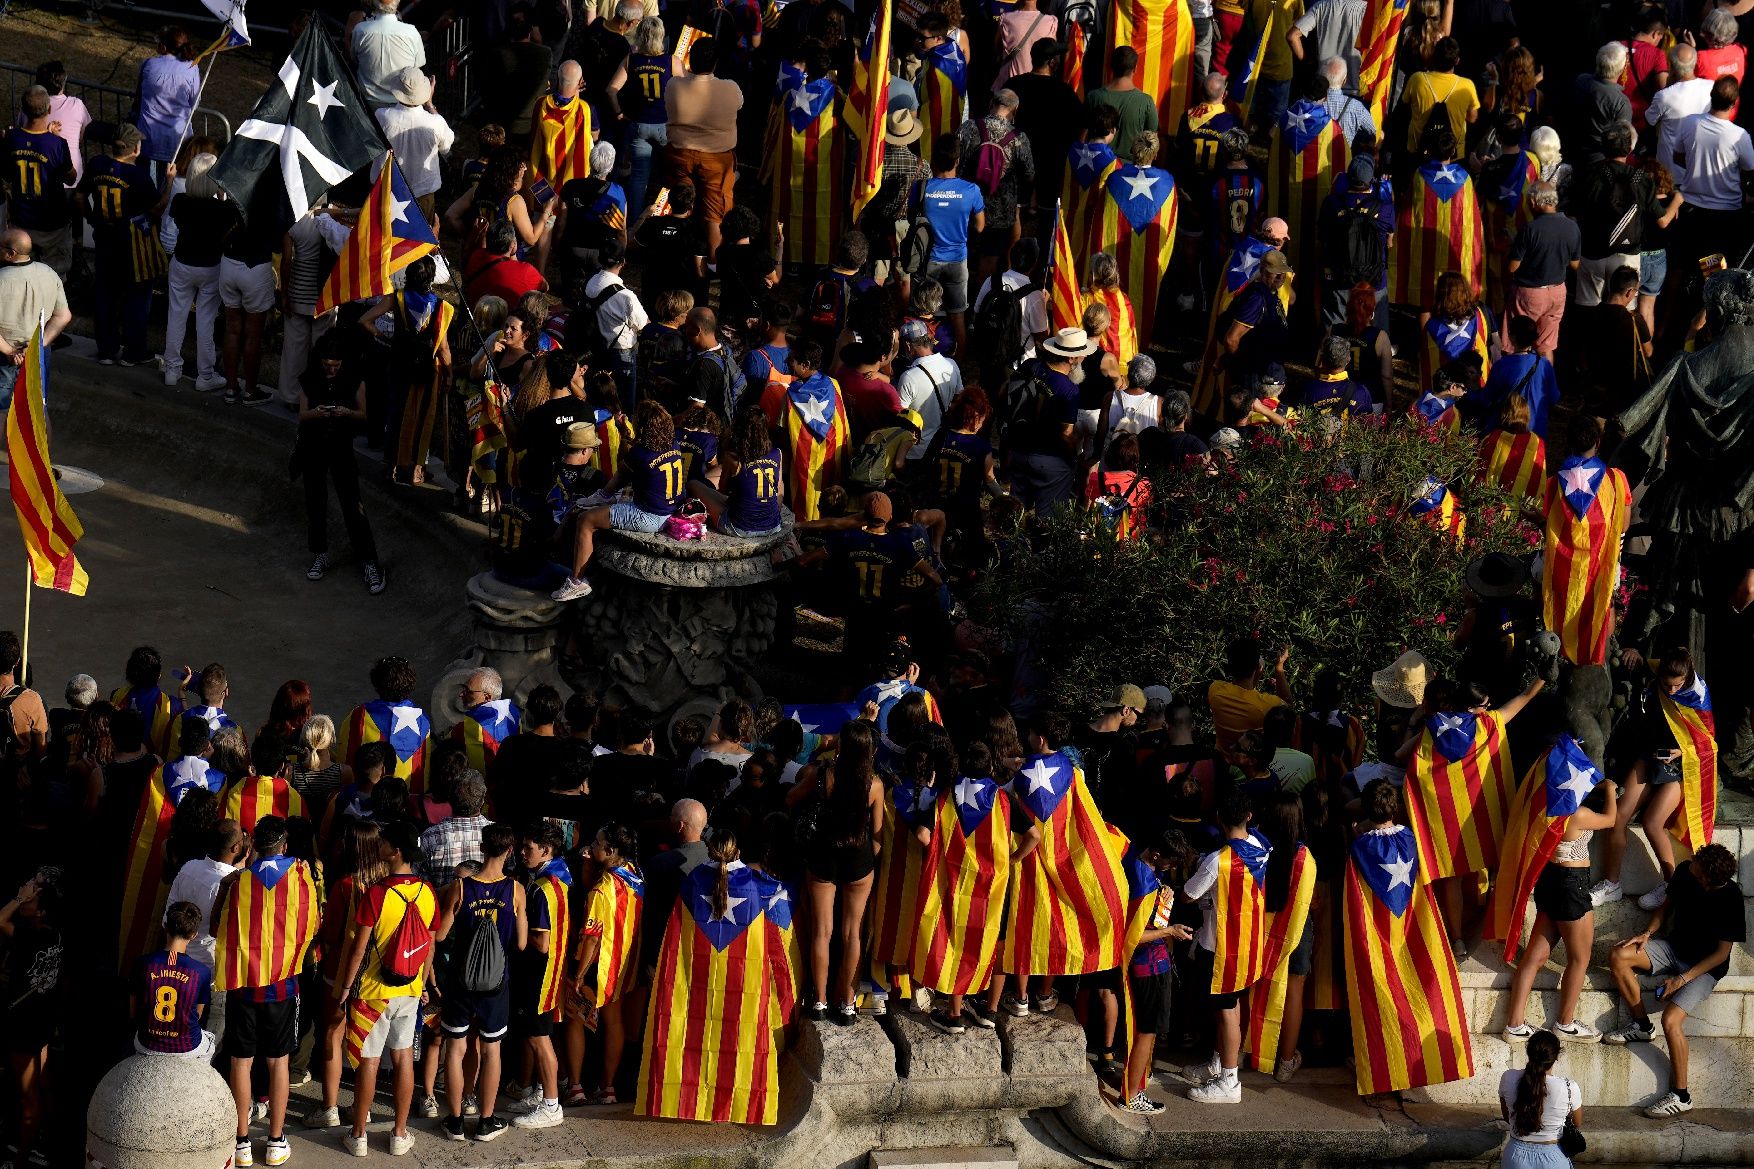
574 1098
603 1096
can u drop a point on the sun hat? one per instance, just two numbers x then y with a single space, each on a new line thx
1403 683
1073 342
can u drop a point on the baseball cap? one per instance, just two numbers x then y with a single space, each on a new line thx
914 329
1158 696
878 509
1128 696
1276 263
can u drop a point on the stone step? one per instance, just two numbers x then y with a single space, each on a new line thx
1003 1157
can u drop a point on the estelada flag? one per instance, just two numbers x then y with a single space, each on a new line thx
145 254
717 1004
1409 1027
779 903
484 727
1134 221
1149 905
362 1016
1284 930
1379 34
251 797
147 883
1459 790
822 717
963 881
560 140
161 711
1551 792
550 909
895 894
1434 503
1068 898
1438 412
808 186
1444 341
1087 168
1515 462
391 234
1245 72
1306 154
485 418
1072 64
942 84
612 916
403 725
1162 33
817 442
1506 208
1239 912
867 113
1122 338
1239 270
614 438
45 518
1438 230
1065 307
267 920
1688 711
1588 507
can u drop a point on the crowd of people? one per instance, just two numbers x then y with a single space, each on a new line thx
1094 260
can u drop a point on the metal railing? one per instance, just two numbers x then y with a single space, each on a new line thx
451 58
107 103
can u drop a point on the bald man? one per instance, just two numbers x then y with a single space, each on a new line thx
1204 124
29 291
562 131
664 873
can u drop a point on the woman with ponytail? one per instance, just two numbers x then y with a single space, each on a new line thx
1537 1104
606 962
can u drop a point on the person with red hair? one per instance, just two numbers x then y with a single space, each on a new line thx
287 714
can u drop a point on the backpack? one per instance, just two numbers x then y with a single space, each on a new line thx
1619 213
828 306
916 246
998 325
1114 509
732 383
1354 246
991 161
582 325
1437 115
480 967
410 946
1026 395
873 464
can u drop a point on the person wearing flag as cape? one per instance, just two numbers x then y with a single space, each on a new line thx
1134 221
1242 268
1308 153
161 709
538 978
1505 184
1512 458
943 79
1547 845
1273 1018
264 919
817 433
1454 326
147 884
1438 228
265 790
1150 972
393 719
1087 169
606 965
809 185
1588 506
562 131
1228 949
489 718
1409 1025
911 777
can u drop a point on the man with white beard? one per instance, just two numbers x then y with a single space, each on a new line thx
1040 441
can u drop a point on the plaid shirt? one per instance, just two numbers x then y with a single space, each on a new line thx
448 844
902 169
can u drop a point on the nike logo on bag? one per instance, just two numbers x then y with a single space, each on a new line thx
414 951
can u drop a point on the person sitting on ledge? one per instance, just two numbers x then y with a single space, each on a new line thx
753 477
654 469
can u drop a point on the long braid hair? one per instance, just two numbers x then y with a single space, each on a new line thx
722 850
1531 1090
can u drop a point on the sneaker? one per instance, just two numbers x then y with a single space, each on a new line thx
1605 893
1521 1033
323 1118
1655 899
944 1021
299 1079
230 397
984 1016
429 1107
471 1106
354 1146
255 396
1669 1105
1014 1006
399 1145
243 1158
490 1128
454 1130
1577 1033
319 567
374 584
602 1098
1142 1105
127 362
171 379
530 1100
207 385
1222 1090
542 1116
1202 1073
1288 1067
572 590
259 1111
1633 1032
106 361
574 1097
278 1152
1042 1004
817 1012
846 1014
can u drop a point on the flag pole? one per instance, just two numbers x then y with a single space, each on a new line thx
236 8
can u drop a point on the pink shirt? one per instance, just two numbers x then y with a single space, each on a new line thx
1014 27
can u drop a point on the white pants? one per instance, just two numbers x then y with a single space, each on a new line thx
197 289
303 331
1592 276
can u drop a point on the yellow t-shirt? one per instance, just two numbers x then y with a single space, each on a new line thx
1236 709
380 911
1425 90
1276 60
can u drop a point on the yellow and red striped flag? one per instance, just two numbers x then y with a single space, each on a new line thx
390 235
818 441
721 994
1378 36
362 1016
560 141
1162 33
45 518
267 922
1068 905
1551 792
1072 68
1688 713
254 796
1409 1027
809 175
146 884
612 916
1087 168
1122 338
1134 220
160 711
484 727
867 109
963 881
1459 790
1443 341
550 909
145 253
1515 462
943 89
1284 930
1505 211
1437 231
901 860
1588 507
1065 306
1307 153
1239 910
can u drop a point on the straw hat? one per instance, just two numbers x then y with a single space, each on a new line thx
904 128
1403 684
1070 343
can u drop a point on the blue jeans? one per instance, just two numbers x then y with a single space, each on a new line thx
121 308
623 363
643 141
9 375
1271 98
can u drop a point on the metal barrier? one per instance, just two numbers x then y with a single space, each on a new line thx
107 103
452 59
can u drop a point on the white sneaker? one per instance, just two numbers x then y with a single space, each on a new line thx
354 1146
1605 893
429 1107
1669 1105
542 1116
171 379
1521 1033
471 1105
572 590
323 1118
1577 1033
529 1101
1142 1105
278 1152
241 1156
1654 899
1288 1067
399 1145
1223 1090
1203 1073
207 385
1633 1032
259 1111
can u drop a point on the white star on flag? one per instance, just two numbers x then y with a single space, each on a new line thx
1579 480
211 714
323 97
1297 117
890 690
1086 155
1445 174
1139 185
1457 332
1446 723
1247 265
1579 781
814 409
399 209
799 99
407 719
731 903
1041 776
1400 873
808 727
1697 690
501 707
968 793
779 898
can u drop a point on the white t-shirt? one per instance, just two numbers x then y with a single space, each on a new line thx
927 387
1131 413
1669 109
1033 318
1563 1098
421 139
622 316
198 881
1717 152
1200 888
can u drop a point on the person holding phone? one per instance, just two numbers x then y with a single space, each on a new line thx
331 408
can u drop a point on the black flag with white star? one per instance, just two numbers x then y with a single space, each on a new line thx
311 130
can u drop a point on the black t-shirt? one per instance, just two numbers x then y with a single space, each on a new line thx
1597 221
1050 115
522 770
342 390
1699 918
626 786
543 433
1109 761
601 53
1546 246
673 243
203 226
742 293
584 227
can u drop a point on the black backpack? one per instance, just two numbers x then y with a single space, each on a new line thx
1026 396
583 333
1617 213
480 966
998 325
916 246
1353 247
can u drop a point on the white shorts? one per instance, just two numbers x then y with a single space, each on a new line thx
394 1030
246 287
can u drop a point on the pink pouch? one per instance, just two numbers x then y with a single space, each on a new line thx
681 527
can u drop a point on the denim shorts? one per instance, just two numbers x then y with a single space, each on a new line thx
731 529
630 518
1653 269
953 275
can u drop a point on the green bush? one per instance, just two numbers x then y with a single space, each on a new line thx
1303 538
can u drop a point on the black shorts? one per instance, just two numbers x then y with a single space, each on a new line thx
1109 979
1151 1002
529 1022
265 1030
1302 959
842 864
487 1015
1203 963
1563 893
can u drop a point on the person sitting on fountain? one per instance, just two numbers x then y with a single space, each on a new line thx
753 475
577 479
654 470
